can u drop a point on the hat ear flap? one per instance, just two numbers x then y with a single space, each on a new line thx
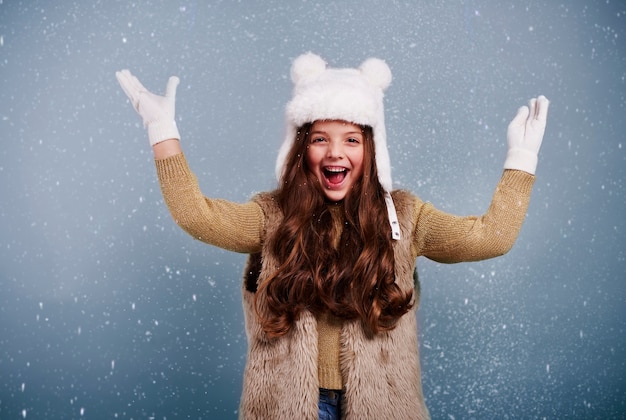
377 72
307 66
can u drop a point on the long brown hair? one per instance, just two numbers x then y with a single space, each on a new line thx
354 280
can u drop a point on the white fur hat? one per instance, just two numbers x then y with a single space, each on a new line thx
354 95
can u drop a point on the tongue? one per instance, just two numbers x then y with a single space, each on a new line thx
335 177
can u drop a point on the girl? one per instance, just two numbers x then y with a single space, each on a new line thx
328 292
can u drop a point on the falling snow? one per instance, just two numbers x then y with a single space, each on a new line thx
109 310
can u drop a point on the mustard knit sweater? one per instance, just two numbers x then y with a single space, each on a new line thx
438 236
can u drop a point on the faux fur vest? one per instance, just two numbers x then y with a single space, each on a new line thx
381 373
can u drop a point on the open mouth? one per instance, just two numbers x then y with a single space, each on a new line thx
335 174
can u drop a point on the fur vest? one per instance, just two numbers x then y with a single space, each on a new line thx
381 373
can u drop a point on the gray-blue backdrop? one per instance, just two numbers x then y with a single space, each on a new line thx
108 310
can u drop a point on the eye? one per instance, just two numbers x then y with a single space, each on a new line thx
317 139
353 140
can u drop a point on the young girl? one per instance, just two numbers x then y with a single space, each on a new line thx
328 292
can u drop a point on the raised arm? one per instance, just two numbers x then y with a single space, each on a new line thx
448 238
236 227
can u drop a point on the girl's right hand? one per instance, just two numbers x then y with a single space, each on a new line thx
525 134
156 111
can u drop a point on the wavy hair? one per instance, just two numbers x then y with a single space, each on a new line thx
354 280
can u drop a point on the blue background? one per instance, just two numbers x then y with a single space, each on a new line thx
108 310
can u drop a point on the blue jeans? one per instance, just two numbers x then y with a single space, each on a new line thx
329 404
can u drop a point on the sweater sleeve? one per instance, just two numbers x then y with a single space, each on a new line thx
449 239
232 226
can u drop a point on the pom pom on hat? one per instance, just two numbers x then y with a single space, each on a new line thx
307 66
377 72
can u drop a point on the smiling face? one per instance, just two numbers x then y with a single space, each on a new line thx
334 155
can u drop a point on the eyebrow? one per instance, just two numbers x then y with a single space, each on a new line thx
326 133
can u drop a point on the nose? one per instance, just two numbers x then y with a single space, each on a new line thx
335 150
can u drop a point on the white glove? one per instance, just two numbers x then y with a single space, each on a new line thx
525 134
157 111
